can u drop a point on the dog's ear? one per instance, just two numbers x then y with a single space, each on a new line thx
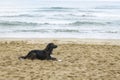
51 44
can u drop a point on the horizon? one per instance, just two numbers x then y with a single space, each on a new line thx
53 3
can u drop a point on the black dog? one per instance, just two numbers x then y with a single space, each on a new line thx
41 54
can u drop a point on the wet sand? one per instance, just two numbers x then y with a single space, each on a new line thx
82 59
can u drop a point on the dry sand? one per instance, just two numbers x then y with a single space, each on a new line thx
82 59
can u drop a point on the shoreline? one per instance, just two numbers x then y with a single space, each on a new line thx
65 40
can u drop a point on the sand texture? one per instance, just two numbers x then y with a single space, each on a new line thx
80 60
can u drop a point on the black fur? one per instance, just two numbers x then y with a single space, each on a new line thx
41 54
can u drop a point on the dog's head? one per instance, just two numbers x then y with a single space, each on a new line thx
52 45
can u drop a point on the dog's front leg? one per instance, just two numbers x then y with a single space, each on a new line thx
52 58
48 57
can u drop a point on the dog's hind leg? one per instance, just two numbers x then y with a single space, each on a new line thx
31 56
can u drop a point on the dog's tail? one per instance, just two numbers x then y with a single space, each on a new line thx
22 57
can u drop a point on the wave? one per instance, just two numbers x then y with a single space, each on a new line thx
76 23
95 23
36 30
20 15
17 23
49 9
57 8
49 30
44 15
108 7
66 30
60 31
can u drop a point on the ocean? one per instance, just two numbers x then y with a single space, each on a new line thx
60 19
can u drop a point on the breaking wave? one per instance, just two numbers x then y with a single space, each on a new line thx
76 23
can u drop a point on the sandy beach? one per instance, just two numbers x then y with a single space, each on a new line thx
82 59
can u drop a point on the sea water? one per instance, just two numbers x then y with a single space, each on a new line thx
60 19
